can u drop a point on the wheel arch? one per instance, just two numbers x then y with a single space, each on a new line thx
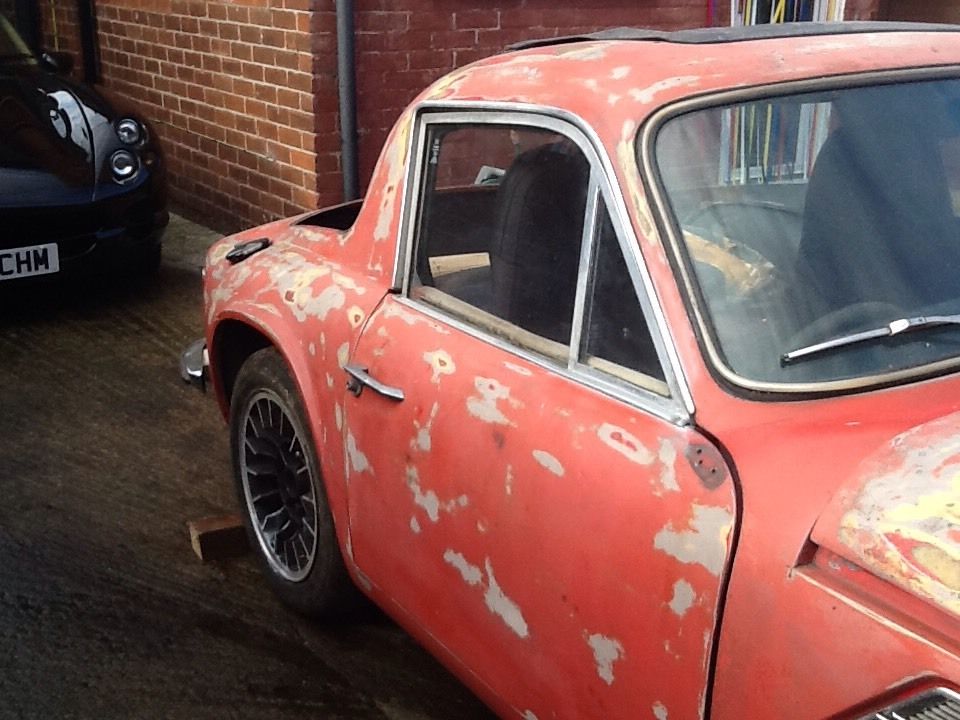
232 342
236 336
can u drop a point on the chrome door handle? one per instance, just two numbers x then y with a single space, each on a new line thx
359 377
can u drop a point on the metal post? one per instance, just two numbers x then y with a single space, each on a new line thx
89 42
347 85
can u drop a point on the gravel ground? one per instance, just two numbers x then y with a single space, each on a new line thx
104 610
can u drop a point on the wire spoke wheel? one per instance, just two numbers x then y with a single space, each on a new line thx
278 484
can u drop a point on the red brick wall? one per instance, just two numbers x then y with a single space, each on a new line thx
244 94
60 30
228 86
403 45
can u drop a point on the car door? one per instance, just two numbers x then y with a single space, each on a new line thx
524 482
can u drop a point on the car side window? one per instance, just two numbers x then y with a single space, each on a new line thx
616 338
500 228
497 244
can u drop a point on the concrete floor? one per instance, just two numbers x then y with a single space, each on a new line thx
105 612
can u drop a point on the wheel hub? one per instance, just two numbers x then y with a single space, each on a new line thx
278 487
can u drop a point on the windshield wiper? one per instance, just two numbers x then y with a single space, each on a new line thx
16 56
893 328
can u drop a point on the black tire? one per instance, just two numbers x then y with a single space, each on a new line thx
277 477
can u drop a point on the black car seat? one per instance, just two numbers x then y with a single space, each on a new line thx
537 229
878 224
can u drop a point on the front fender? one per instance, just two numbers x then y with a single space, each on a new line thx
899 516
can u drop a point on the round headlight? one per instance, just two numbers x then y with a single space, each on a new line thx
124 165
129 131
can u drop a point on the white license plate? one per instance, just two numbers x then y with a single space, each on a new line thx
27 261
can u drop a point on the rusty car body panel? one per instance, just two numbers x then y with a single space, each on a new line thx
573 548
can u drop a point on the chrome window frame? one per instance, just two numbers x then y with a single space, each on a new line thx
672 233
677 405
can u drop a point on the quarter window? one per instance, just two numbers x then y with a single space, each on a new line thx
616 334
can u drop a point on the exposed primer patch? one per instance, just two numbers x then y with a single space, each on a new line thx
668 470
484 405
549 462
606 651
343 354
347 283
624 443
422 440
338 416
499 604
471 574
583 53
518 369
304 303
355 316
627 158
312 349
704 543
268 308
683 597
329 381
519 72
508 481
428 501
440 363
358 461
445 85
668 648
647 94
618 73
397 311
903 522
395 162
415 525
660 711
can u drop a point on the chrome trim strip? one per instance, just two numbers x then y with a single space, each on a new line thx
408 200
665 408
563 121
195 364
584 277
672 235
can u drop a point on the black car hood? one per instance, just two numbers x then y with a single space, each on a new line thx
48 131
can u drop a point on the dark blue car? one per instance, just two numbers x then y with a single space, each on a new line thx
82 181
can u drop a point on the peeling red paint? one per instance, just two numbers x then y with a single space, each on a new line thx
585 541
900 513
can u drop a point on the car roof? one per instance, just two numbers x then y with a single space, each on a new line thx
711 35
615 79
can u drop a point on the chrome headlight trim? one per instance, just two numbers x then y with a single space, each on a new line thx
130 131
124 166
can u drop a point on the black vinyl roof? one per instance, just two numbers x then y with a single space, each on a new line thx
706 36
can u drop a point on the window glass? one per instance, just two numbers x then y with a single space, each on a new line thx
500 230
616 332
815 223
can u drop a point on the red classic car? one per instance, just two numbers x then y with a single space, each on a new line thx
631 389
